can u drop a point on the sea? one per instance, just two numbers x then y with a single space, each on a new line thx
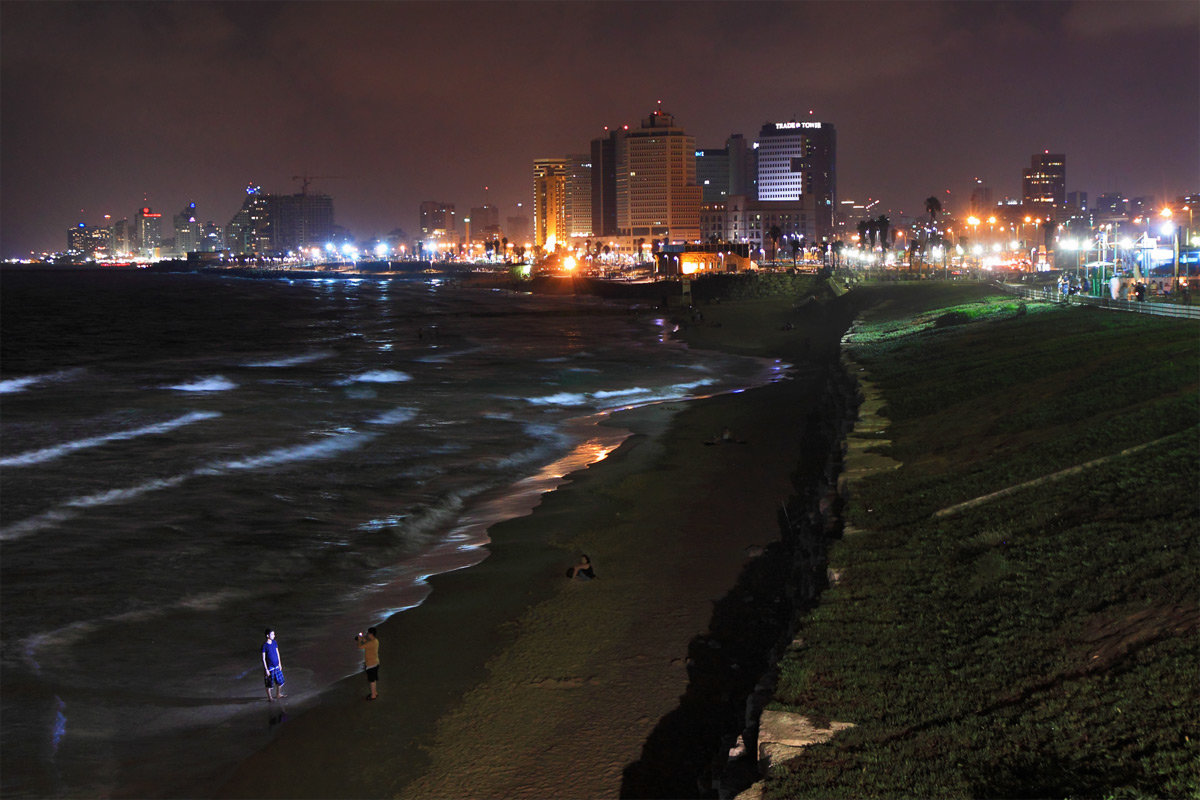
187 459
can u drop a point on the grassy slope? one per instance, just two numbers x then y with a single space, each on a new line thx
1042 644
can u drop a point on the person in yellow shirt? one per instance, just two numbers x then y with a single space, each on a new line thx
370 647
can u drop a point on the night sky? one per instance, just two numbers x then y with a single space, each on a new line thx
107 106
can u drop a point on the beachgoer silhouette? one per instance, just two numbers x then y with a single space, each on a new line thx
583 569
272 667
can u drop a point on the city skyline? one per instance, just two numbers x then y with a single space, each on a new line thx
109 107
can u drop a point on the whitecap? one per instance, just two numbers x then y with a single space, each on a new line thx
67 511
217 383
290 361
560 399
376 376
50 453
19 384
13 385
324 448
393 417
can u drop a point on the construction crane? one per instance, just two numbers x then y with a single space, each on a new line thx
306 179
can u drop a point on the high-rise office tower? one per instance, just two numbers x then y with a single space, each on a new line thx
249 232
797 163
437 216
300 221
712 173
1044 184
579 195
743 166
656 190
120 238
604 184
148 230
187 231
485 223
728 171
550 222
89 240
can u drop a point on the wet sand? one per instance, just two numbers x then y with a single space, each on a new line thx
513 681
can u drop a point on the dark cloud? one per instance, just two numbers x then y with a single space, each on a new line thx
105 104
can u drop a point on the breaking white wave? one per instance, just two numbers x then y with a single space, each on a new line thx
376 376
291 361
394 417
50 453
217 383
13 385
325 448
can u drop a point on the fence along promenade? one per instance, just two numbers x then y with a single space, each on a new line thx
1051 294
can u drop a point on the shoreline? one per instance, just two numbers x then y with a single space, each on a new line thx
520 683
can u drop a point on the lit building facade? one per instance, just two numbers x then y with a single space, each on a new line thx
148 231
91 241
578 203
437 216
188 236
656 190
1044 184
797 163
550 222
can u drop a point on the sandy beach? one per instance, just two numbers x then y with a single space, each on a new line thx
526 684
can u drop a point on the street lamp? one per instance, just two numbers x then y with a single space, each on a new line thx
1173 229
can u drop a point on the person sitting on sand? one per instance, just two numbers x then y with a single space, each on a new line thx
583 569
725 437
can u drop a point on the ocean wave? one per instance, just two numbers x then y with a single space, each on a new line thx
217 383
605 397
376 376
334 445
69 509
291 361
547 438
51 453
393 417
14 385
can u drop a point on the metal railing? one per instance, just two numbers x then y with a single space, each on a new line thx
1051 295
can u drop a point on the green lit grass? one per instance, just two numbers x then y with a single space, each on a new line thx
1042 644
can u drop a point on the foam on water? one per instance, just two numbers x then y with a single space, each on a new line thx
289 361
216 383
13 385
57 451
376 376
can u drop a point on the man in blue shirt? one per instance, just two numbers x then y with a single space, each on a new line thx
272 667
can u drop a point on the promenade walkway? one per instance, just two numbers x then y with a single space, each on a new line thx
1144 307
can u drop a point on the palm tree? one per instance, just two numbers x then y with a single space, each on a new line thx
884 225
934 207
775 233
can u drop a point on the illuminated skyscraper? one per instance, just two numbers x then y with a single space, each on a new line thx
88 240
437 216
148 231
1045 182
550 221
579 196
656 190
187 231
797 163
249 232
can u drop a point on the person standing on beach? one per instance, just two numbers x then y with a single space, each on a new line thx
370 647
272 667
